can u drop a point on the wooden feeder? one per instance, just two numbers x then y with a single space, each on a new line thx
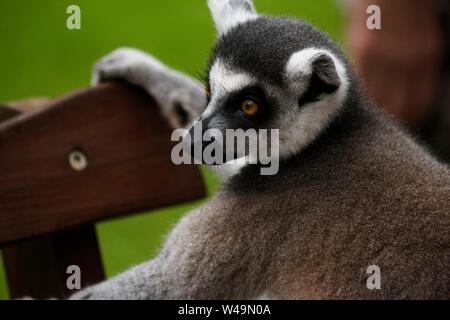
93 154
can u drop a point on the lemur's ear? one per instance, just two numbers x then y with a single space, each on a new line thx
314 73
229 13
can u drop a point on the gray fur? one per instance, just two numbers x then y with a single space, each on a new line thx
263 46
361 193
168 87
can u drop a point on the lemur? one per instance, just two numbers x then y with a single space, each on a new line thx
353 188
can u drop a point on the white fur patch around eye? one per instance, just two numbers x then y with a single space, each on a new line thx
229 13
224 80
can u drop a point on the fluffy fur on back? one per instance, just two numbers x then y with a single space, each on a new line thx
363 194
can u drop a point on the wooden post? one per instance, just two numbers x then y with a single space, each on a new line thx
38 267
91 155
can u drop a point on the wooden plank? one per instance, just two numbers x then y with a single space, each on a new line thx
38 267
7 113
127 145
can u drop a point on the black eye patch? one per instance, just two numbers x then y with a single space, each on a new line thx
235 99
232 108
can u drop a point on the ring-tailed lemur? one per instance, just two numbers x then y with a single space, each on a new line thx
353 189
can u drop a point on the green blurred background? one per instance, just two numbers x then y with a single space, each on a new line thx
39 56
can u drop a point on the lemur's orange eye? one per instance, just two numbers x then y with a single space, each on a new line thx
207 90
249 107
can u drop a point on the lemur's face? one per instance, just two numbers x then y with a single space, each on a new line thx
272 73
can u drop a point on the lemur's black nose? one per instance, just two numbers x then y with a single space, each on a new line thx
193 142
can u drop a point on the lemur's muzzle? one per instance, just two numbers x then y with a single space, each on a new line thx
193 142
196 141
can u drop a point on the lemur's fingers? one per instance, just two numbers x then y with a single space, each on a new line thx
126 63
180 97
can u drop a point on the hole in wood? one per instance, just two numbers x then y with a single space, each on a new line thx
78 160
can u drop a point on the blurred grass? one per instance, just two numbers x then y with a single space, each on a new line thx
41 57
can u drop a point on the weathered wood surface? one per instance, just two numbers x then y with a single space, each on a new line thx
38 267
127 145
47 209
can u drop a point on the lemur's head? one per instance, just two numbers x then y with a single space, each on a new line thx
272 73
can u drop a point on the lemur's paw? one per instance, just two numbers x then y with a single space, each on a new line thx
129 64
